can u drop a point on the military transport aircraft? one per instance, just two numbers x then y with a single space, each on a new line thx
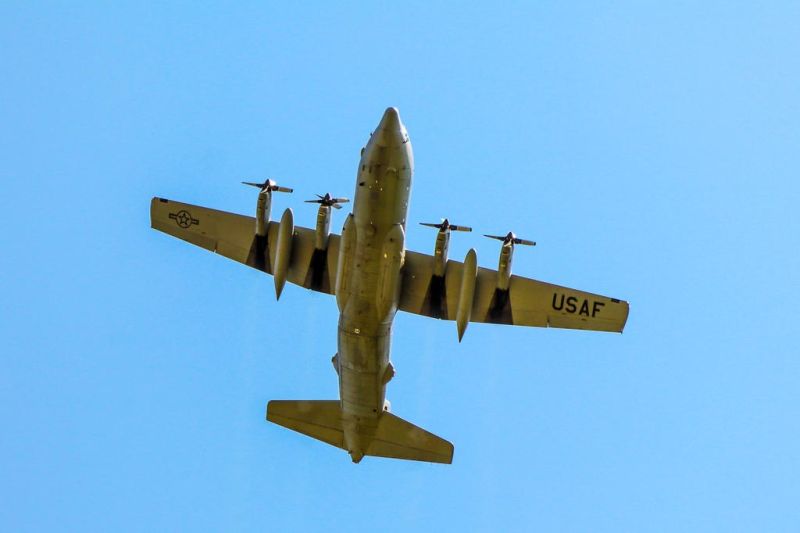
372 275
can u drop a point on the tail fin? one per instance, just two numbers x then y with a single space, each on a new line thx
392 436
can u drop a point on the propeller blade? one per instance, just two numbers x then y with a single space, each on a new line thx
445 225
268 186
511 238
328 201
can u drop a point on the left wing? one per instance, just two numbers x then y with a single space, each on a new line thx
234 237
526 302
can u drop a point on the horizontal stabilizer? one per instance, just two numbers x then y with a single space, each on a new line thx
399 439
320 419
391 437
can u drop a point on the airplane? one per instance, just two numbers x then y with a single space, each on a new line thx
372 276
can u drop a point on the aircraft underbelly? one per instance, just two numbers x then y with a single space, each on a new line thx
363 360
381 203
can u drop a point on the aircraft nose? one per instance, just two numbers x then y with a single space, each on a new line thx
390 131
391 118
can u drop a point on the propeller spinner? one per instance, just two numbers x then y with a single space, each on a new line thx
445 226
329 201
511 238
268 186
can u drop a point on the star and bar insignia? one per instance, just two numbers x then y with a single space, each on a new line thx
184 219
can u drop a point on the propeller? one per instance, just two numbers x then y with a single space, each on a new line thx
511 238
329 201
268 186
445 225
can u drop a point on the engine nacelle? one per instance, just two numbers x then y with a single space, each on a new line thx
466 295
440 253
323 227
263 208
504 266
392 259
347 246
283 251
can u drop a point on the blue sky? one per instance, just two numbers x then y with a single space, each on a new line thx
651 149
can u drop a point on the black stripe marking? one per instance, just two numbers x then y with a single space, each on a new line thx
500 308
316 278
259 254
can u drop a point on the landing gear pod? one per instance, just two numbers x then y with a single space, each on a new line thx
467 293
347 246
283 251
392 258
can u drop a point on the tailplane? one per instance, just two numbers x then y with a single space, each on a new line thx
388 436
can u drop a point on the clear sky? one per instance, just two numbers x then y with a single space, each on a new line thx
651 148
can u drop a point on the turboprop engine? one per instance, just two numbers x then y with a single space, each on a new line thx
264 204
506 256
442 243
263 208
324 218
438 287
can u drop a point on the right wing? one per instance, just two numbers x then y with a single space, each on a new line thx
527 302
234 237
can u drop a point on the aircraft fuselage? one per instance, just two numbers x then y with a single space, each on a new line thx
370 280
